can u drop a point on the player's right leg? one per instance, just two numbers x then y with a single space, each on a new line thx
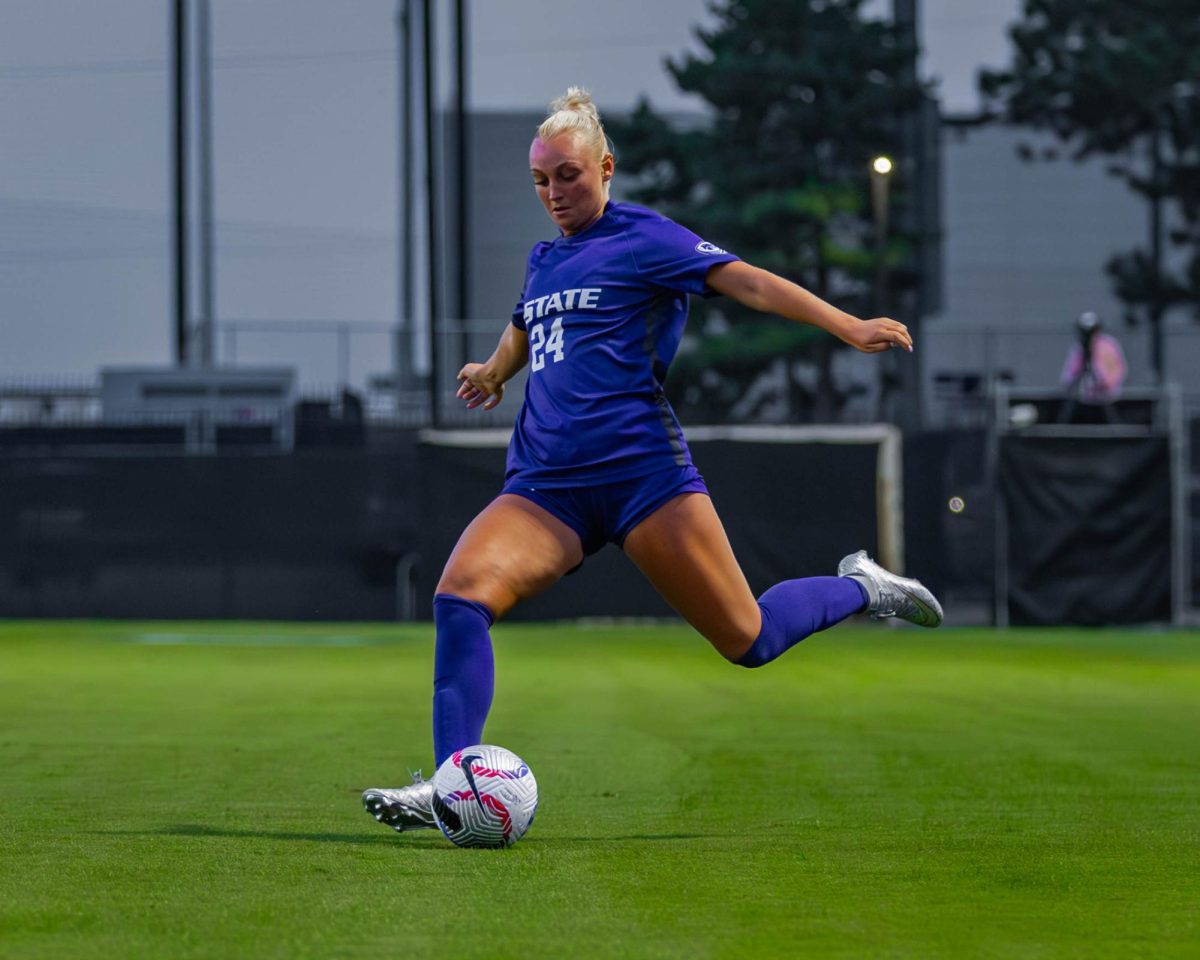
513 550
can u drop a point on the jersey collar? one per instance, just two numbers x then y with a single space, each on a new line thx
590 229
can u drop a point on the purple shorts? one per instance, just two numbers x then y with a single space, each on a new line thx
605 513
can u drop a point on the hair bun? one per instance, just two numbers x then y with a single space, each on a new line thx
576 100
574 113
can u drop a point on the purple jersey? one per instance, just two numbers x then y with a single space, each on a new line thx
604 311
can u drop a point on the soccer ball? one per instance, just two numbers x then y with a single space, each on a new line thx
484 796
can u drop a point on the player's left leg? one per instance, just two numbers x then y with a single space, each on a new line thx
682 548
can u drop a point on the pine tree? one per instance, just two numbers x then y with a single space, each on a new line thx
803 94
1119 79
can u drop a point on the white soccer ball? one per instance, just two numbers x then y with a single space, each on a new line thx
484 796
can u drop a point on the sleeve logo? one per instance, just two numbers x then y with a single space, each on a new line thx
705 247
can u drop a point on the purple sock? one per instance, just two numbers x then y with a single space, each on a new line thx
795 609
463 673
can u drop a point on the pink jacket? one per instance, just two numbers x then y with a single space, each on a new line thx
1108 370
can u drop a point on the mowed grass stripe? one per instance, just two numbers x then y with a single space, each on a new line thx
876 793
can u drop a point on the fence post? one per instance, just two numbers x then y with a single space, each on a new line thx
406 587
343 337
1181 521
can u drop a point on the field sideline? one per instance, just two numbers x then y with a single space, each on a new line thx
191 790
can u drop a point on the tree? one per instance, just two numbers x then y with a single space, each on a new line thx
803 93
1118 78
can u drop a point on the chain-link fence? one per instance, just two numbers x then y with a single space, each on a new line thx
963 365
386 367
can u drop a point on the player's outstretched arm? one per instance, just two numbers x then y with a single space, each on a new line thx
762 290
483 383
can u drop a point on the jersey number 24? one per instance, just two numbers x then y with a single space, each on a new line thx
541 347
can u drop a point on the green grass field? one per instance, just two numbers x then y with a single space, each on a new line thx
191 790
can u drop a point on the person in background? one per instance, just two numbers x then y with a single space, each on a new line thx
1093 373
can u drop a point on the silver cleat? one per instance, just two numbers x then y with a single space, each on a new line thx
402 808
890 595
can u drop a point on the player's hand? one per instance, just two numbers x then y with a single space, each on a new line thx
879 334
477 388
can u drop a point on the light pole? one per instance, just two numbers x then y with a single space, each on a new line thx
881 175
208 308
881 183
179 163
432 197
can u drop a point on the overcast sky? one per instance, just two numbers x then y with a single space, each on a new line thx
305 151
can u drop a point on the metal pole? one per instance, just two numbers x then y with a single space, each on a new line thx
406 299
889 373
179 260
907 369
1000 586
989 357
1156 305
462 169
1181 574
879 207
432 200
343 339
208 319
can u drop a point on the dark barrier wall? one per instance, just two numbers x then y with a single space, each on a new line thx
791 510
328 535
1089 529
308 536
949 541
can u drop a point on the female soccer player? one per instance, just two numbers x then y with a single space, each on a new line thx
597 455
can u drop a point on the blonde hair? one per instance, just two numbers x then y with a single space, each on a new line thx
575 113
